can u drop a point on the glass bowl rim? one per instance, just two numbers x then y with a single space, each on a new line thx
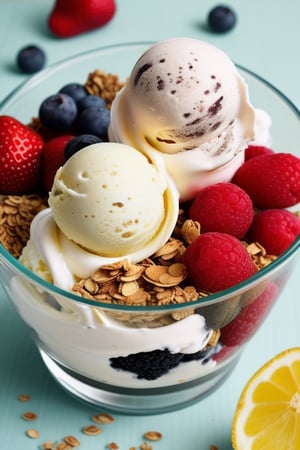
212 298
52 68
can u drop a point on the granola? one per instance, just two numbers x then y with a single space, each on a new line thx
16 215
103 84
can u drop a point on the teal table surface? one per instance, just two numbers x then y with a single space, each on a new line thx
266 40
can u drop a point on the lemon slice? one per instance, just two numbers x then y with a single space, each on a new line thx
267 416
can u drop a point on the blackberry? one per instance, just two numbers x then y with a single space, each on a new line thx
206 354
154 364
148 365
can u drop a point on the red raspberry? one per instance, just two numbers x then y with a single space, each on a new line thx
244 325
271 180
256 150
223 207
274 229
224 353
217 261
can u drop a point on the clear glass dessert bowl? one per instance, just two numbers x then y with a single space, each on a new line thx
137 359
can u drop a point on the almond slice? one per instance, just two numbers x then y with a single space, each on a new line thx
177 270
129 288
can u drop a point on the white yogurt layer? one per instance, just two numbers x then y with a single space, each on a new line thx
79 340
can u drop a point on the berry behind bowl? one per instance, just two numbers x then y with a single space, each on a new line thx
150 357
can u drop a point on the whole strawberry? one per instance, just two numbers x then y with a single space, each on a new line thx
217 261
274 229
244 325
271 180
20 153
223 207
72 17
52 158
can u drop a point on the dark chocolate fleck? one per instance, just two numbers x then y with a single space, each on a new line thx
160 84
215 126
215 107
194 122
140 72
217 86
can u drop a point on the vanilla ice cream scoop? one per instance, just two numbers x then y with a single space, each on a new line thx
113 201
185 99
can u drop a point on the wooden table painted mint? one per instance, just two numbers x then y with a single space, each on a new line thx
266 40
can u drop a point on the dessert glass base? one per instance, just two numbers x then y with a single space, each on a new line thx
136 401
136 359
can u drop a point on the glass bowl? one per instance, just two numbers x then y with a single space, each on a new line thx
142 360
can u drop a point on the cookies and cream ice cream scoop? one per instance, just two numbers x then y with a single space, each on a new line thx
186 100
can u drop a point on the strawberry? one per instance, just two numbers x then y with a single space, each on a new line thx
256 150
274 229
244 325
223 207
20 152
271 180
217 261
52 158
72 17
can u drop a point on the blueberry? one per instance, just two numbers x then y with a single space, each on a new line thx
75 90
58 112
221 19
90 101
79 142
31 59
93 120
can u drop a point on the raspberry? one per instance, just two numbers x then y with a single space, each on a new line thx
224 353
217 261
244 325
256 150
274 229
223 207
271 180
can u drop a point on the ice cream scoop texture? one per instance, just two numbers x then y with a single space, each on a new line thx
185 95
